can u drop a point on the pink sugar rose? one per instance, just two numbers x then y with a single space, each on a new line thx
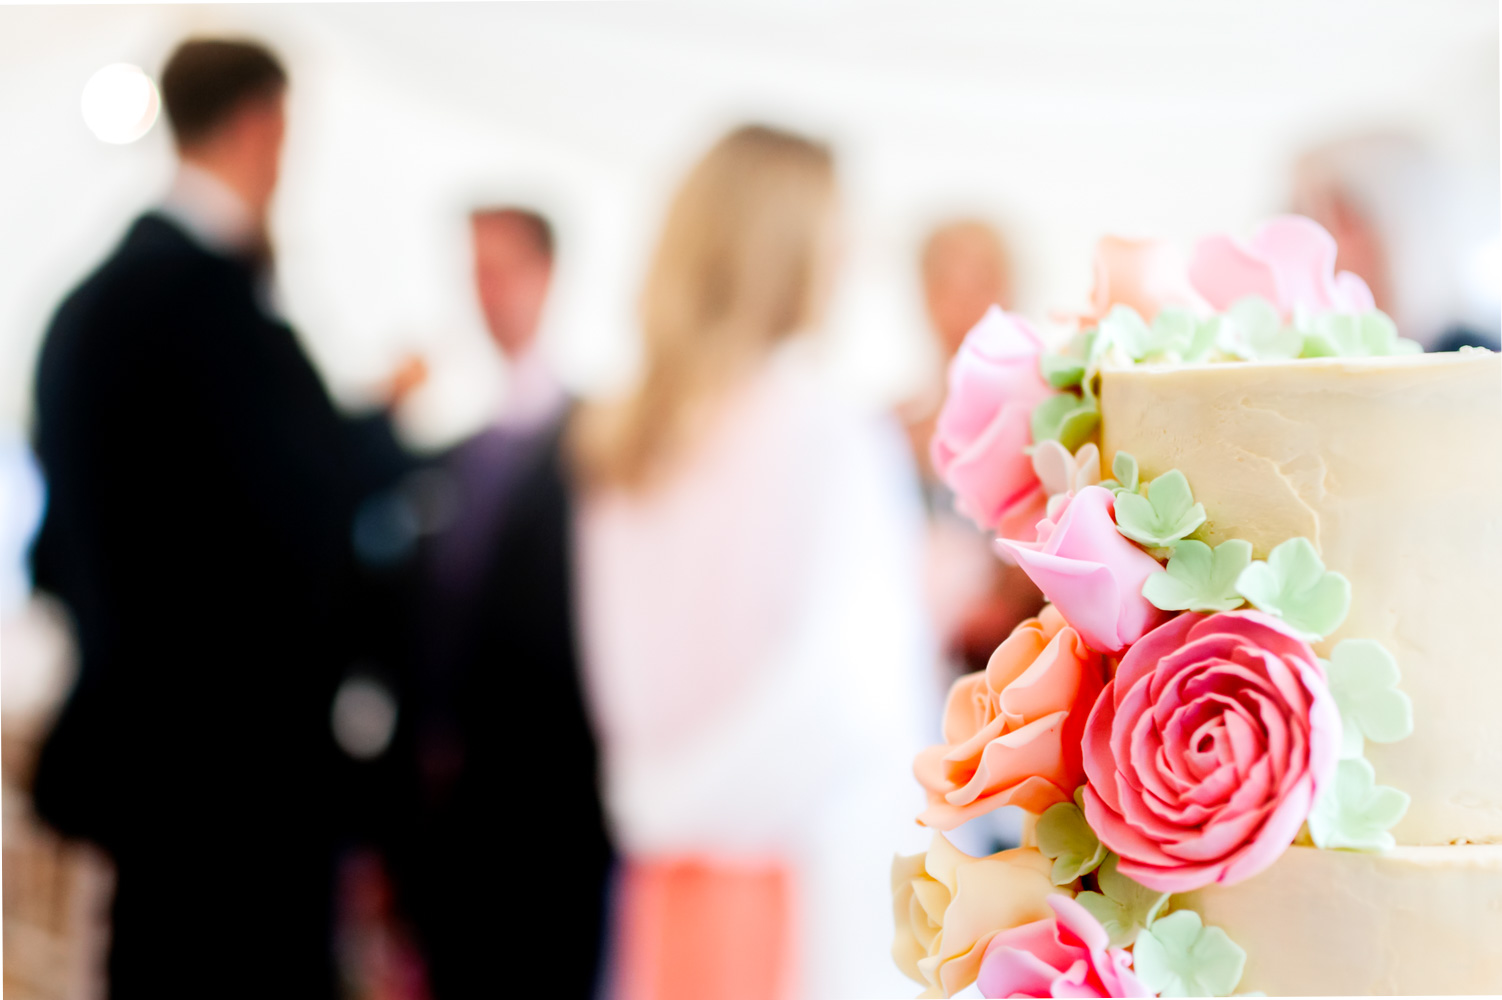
1206 750
1064 956
1289 261
985 425
1090 572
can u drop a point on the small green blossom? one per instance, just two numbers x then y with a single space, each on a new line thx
1200 578
1166 514
1064 835
1179 957
1354 811
1294 585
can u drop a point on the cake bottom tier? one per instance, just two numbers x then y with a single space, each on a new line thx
1414 920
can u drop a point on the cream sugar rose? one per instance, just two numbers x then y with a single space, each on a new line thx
1246 620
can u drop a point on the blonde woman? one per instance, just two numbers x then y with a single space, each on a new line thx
749 564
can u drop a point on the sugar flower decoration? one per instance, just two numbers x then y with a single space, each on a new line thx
1355 812
1180 957
1063 474
949 905
1063 834
1294 585
1012 732
1066 955
1289 261
1123 906
1092 574
1364 680
983 431
1208 748
1144 275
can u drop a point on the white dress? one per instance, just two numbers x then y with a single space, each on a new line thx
759 664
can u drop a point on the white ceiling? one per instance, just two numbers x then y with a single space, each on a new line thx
1061 119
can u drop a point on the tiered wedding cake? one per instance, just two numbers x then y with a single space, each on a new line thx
1234 788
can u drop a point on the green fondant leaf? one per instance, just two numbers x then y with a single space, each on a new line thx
1207 334
1061 371
1065 418
1294 585
1123 906
1343 335
1123 328
1364 680
1172 333
1164 516
1180 957
1064 835
1257 332
1355 812
1124 468
1199 578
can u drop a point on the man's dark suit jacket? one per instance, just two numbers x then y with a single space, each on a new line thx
504 825
201 488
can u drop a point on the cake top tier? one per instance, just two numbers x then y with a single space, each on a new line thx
1389 466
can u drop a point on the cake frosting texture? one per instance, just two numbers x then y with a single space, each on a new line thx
1414 920
1390 466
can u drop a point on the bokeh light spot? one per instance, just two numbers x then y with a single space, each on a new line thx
120 103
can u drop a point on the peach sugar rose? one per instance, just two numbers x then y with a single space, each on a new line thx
1013 732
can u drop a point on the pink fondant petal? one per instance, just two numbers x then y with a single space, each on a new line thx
1274 838
1176 876
1077 926
1140 661
1218 840
1222 272
1100 763
1302 257
1001 336
993 471
1118 835
1086 593
1352 294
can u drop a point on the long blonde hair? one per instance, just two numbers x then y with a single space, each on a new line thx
738 269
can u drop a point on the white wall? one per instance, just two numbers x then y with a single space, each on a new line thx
1063 120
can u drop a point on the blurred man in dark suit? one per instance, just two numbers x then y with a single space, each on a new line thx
202 487
506 822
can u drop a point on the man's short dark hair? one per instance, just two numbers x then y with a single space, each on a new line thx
206 80
535 223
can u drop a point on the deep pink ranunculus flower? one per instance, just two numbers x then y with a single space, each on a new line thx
1289 261
985 425
1091 572
1206 750
1065 956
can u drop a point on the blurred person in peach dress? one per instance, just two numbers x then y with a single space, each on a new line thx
755 648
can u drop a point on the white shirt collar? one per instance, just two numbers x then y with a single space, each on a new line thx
533 394
209 211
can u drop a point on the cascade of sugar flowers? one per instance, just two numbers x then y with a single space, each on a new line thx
1165 718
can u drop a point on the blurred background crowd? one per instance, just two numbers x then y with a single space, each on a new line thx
468 522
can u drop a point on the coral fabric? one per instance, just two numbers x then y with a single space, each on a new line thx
696 931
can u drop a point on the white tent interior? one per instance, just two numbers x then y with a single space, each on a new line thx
1060 121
